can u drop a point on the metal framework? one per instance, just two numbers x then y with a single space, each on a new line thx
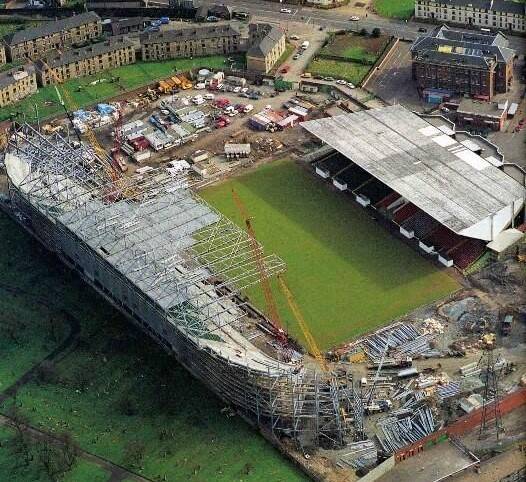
179 269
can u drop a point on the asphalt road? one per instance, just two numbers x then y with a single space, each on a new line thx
336 19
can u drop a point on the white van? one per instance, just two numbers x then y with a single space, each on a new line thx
209 96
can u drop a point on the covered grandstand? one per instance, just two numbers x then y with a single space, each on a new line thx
438 191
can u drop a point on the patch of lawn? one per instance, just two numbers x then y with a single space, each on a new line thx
117 387
349 71
350 46
348 274
115 82
401 9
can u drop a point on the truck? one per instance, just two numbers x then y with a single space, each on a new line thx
305 45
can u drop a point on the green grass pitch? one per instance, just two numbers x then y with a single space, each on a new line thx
348 274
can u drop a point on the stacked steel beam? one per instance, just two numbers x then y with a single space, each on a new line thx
449 390
396 433
402 340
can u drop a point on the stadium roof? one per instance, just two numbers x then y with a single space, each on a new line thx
432 170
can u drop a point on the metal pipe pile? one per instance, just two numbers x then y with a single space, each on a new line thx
361 455
449 390
399 432
402 339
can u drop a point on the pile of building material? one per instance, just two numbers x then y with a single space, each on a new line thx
396 432
473 402
361 455
451 389
430 326
470 370
400 339
267 144
103 115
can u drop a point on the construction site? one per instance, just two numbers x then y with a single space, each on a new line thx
126 213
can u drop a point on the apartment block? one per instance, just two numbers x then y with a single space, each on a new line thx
459 62
73 63
491 14
189 42
32 43
267 46
17 83
3 58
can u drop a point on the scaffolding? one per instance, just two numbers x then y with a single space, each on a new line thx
179 269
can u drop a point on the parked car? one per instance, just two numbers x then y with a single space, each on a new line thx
294 37
286 10
341 82
284 69
329 79
350 85
422 29
211 18
354 18
296 56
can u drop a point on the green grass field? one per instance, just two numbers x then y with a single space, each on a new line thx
350 71
348 274
117 387
130 77
401 9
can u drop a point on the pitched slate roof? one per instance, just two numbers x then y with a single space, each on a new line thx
469 48
6 78
49 28
194 33
65 57
267 43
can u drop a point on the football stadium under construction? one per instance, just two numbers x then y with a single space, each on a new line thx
179 269
176 267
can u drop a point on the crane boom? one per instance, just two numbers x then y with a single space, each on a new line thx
272 309
311 342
